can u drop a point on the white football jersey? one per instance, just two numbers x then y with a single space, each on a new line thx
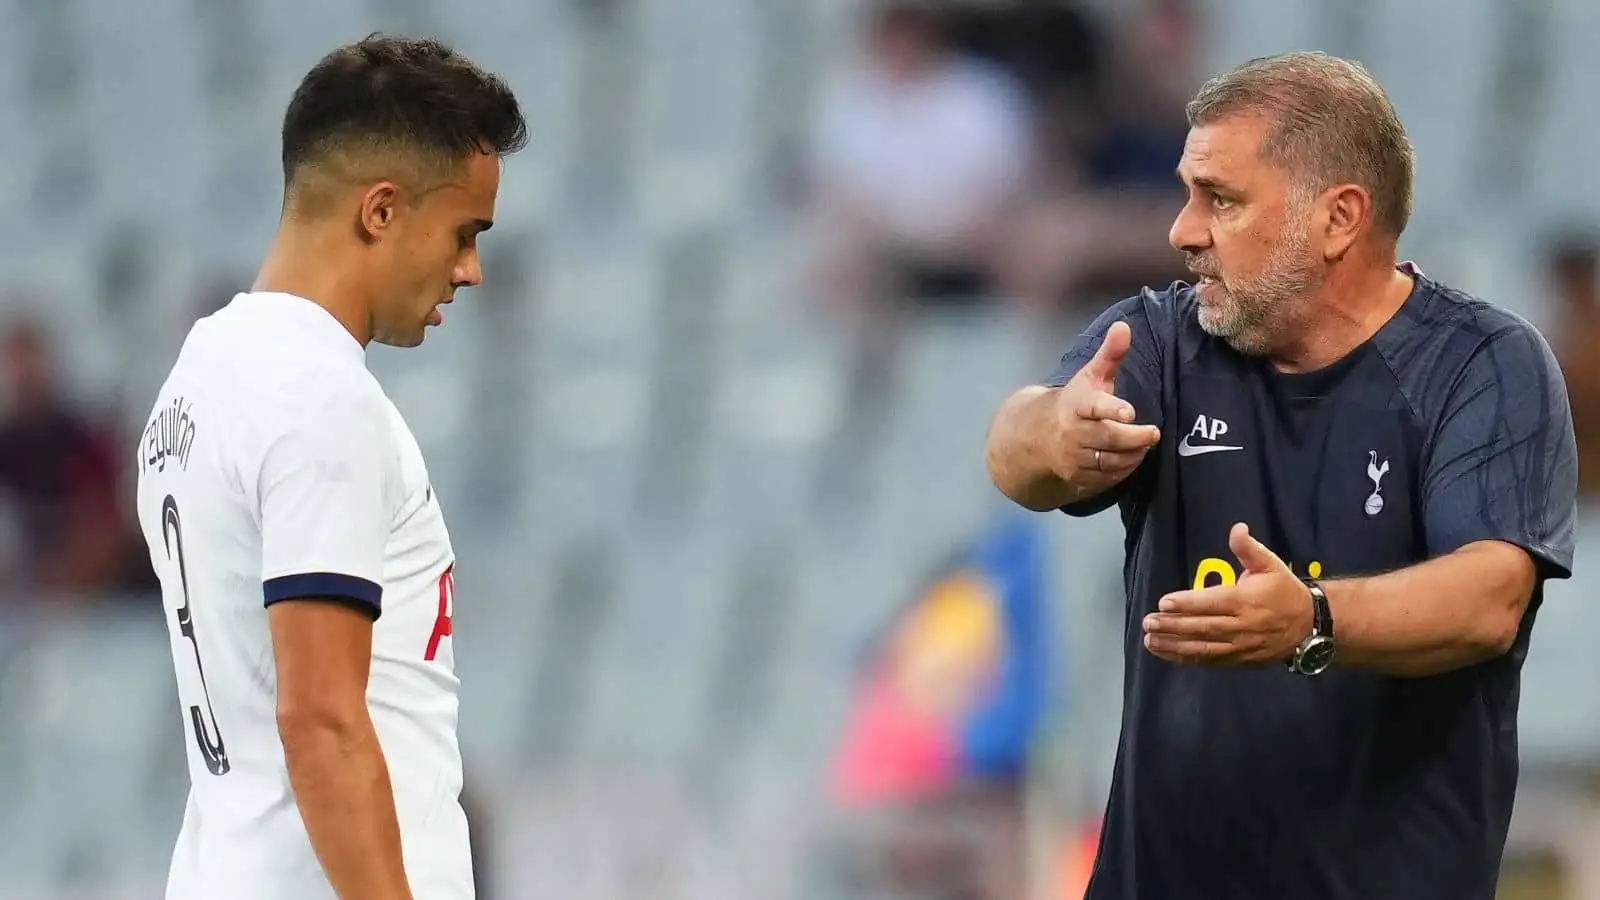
273 466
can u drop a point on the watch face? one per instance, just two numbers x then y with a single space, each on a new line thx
1317 655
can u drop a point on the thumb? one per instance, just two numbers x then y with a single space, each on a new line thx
1102 369
1252 554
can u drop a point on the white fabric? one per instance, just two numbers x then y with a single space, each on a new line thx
926 157
287 465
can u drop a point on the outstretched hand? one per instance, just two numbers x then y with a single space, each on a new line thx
1261 618
1098 442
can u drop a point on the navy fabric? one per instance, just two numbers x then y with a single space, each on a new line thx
360 592
1451 425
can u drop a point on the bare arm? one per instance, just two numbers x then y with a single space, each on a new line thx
1453 611
1498 494
1022 452
1043 443
336 766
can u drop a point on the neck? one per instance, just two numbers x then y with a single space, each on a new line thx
302 261
1359 297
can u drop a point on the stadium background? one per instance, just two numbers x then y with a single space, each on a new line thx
740 615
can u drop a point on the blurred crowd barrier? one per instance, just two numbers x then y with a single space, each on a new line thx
740 614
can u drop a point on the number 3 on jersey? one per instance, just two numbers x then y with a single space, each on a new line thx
206 734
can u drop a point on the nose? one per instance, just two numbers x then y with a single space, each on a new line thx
468 271
1190 232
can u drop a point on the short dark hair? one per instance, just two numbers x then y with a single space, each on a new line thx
1331 124
388 100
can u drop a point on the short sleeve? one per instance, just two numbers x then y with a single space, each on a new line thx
1503 462
1138 381
324 503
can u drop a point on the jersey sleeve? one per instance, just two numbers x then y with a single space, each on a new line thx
1503 463
323 490
1138 380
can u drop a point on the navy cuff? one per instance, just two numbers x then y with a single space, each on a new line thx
357 592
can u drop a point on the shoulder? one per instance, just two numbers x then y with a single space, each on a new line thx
246 354
308 406
1161 319
340 398
1156 318
1174 303
1465 323
1164 319
1161 308
1453 342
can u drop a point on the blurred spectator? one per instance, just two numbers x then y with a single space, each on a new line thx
916 155
1096 228
61 472
1154 75
1059 52
1574 271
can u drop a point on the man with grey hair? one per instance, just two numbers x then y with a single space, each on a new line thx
1343 484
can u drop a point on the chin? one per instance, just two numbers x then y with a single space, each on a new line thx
401 340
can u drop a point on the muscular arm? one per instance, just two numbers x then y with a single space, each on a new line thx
325 513
1498 505
336 766
1447 613
1498 511
1020 453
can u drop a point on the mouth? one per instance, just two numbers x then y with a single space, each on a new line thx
436 315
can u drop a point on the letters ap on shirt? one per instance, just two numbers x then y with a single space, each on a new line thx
1208 431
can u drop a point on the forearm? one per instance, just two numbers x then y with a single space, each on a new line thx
1019 462
341 784
1454 611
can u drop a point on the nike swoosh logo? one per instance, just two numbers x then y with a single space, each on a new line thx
1187 449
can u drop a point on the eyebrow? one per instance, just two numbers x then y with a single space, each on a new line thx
1203 181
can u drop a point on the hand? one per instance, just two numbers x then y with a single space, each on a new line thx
1261 618
1097 443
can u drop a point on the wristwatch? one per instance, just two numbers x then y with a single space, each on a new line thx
1315 653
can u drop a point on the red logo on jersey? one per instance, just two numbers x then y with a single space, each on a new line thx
444 625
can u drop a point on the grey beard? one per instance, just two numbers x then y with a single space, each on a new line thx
1256 309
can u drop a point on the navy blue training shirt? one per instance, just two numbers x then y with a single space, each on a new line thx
1451 425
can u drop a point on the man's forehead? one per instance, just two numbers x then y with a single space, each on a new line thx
1228 147
471 189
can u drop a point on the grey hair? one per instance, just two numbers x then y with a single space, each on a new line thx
1331 123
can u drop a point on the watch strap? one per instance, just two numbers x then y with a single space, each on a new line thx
1321 614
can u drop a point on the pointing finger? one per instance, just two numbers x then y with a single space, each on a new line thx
1102 369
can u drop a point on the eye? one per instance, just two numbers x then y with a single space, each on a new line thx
1220 202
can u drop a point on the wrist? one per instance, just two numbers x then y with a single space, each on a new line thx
1315 652
1306 620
